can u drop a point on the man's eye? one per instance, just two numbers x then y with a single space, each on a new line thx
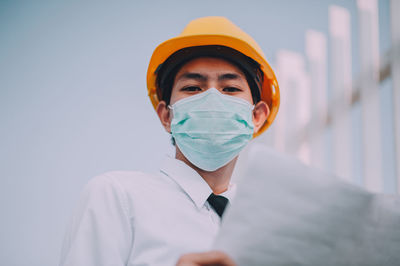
231 89
191 88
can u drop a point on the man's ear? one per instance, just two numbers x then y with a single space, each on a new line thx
260 115
163 113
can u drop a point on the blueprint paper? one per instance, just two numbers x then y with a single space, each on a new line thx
286 213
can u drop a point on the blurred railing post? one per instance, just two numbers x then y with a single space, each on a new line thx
395 72
295 104
317 67
341 81
369 92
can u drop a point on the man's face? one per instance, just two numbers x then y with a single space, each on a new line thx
204 73
200 74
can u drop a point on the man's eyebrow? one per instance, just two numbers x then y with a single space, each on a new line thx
229 76
191 75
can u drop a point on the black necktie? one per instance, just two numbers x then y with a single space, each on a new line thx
218 203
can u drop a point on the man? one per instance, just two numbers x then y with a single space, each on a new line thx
213 91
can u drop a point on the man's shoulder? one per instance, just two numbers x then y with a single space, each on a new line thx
125 177
128 180
129 175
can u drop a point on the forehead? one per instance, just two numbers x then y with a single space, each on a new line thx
209 65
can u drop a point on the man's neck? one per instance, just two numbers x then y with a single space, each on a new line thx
218 180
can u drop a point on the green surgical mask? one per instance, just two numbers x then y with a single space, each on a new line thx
211 128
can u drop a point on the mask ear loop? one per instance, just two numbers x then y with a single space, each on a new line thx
170 107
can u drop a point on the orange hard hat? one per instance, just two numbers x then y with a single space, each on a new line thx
218 31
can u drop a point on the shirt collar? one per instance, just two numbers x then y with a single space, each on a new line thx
191 182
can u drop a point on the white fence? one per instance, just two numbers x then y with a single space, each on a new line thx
318 119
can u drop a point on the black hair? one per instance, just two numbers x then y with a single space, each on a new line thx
167 71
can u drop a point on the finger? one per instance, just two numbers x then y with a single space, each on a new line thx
206 258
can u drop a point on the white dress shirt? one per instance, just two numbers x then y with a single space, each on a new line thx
134 218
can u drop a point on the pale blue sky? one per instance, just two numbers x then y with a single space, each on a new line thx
74 104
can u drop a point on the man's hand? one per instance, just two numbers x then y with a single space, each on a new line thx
211 258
